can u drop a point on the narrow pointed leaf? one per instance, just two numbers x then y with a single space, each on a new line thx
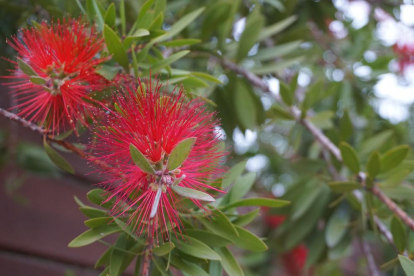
37 80
57 159
191 193
140 160
93 235
350 157
373 164
26 68
393 157
209 238
163 249
344 186
183 23
180 153
229 263
259 201
196 248
399 233
115 47
407 265
276 28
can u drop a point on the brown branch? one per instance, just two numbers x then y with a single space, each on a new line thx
393 207
147 260
66 145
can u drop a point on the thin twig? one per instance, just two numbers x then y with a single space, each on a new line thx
147 259
372 266
393 207
65 144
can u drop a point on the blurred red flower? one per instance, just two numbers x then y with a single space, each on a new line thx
55 73
155 122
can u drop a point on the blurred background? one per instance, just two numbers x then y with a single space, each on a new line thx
363 52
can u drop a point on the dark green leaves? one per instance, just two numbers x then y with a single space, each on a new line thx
115 47
233 174
93 235
398 233
191 193
57 159
350 157
344 186
180 153
140 160
26 68
209 238
393 157
286 94
276 28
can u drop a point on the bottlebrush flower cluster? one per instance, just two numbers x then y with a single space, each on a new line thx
152 124
55 73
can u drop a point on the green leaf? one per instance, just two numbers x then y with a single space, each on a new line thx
286 93
245 219
276 28
373 164
242 186
350 157
254 22
140 160
244 101
276 68
164 249
135 36
180 42
209 238
117 256
100 21
215 268
92 235
108 72
57 159
206 77
276 52
91 212
407 265
167 61
104 259
98 196
394 157
96 222
336 227
219 224
247 240
229 263
345 126
323 119
115 47
399 233
233 174
187 267
183 23
26 68
304 202
37 80
159 264
344 186
180 153
375 142
277 112
110 15
196 248
191 193
258 201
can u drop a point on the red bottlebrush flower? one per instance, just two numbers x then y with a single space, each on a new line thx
294 260
273 221
154 123
405 53
60 61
